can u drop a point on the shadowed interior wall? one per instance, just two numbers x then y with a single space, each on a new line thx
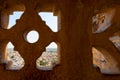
75 38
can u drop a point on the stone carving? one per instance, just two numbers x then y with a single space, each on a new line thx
19 32
105 24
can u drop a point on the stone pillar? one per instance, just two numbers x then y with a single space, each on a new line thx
76 50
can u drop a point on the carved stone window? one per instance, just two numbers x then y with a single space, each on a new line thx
29 22
106 40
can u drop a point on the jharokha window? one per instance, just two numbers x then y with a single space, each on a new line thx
12 53
106 41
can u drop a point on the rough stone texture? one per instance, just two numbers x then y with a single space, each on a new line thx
104 61
74 38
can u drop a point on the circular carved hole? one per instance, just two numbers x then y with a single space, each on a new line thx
32 36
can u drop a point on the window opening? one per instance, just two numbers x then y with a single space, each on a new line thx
104 61
116 41
49 58
12 18
50 20
32 36
14 59
103 20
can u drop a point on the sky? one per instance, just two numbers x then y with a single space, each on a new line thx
33 36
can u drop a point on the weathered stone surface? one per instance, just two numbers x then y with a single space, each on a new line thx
75 38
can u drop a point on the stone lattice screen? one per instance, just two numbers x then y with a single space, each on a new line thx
17 35
74 38
106 39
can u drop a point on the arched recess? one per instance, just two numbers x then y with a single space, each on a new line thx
14 61
49 58
103 20
104 61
